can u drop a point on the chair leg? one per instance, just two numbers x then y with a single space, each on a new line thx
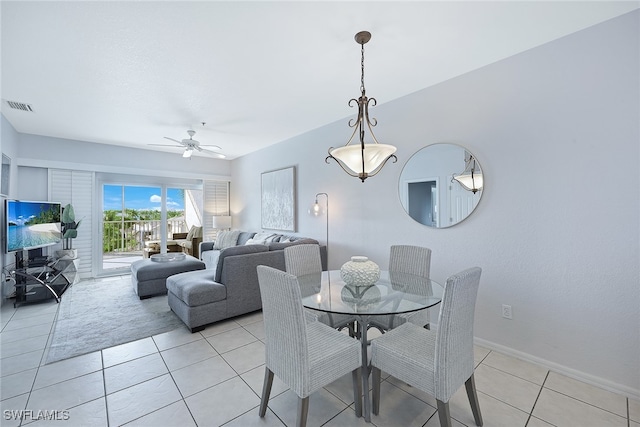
357 390
266 391
352 330
443 414
303 410
375 401
470 385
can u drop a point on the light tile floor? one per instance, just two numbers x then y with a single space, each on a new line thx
214 378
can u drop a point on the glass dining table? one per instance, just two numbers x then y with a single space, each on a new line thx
393 293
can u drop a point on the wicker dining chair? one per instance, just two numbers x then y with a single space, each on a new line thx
410 260
436 362
305 356
302 260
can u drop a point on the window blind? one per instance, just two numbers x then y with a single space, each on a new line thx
216 202
76 187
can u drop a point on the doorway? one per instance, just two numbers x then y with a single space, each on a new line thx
135 217
422 200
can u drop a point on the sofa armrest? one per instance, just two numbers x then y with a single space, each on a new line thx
240 276
205 246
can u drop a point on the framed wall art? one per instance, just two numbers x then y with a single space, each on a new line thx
279 199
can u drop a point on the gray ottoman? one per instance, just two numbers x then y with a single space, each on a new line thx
197 299
149 277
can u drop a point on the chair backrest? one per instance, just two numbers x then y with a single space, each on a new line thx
410 259
454 338
302 259
285 328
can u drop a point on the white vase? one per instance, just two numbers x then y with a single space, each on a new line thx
360 271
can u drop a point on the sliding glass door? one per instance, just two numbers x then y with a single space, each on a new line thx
138 221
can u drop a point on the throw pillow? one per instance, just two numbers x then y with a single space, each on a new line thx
259 239
191 232
230 239
272 238
219 238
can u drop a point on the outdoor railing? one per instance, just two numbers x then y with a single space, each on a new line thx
129 236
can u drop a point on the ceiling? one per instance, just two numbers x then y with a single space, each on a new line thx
256 73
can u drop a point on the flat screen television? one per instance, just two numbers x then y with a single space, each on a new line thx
31 225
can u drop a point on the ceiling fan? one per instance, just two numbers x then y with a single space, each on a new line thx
190 145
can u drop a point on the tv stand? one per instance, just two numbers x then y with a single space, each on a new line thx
34 258
41 279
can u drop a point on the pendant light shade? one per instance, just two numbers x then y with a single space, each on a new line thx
471 177
362 160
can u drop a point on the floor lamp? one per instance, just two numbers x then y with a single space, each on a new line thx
317 210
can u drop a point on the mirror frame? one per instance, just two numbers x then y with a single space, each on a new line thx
440 184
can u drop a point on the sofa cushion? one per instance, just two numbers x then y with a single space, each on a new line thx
276 246
197 288
210 259
261 239
226 239
237 250
244 236
195 231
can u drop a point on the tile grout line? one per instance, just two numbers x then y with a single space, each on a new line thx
104 387
537 397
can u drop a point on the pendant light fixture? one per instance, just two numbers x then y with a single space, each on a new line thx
364 159
471 177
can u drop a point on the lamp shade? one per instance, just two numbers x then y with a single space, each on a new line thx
316 209
222 221
354 157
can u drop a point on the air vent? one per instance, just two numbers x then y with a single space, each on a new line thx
20 106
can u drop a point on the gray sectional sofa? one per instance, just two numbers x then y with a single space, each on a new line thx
228 287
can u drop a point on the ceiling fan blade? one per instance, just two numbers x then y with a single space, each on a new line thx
217 147
165 145
175 140
213 153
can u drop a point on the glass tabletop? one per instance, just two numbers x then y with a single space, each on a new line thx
393 293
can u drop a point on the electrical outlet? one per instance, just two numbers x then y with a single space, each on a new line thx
506 311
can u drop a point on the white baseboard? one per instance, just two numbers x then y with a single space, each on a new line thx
564 370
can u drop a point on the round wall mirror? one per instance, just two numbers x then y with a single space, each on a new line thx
440 185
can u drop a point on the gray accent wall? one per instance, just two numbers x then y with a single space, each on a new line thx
557 230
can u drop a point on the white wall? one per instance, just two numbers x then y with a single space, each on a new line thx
8 147
42 151
556 232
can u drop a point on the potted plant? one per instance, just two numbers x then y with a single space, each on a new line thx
69 232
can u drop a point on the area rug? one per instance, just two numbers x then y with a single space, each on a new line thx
94 315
